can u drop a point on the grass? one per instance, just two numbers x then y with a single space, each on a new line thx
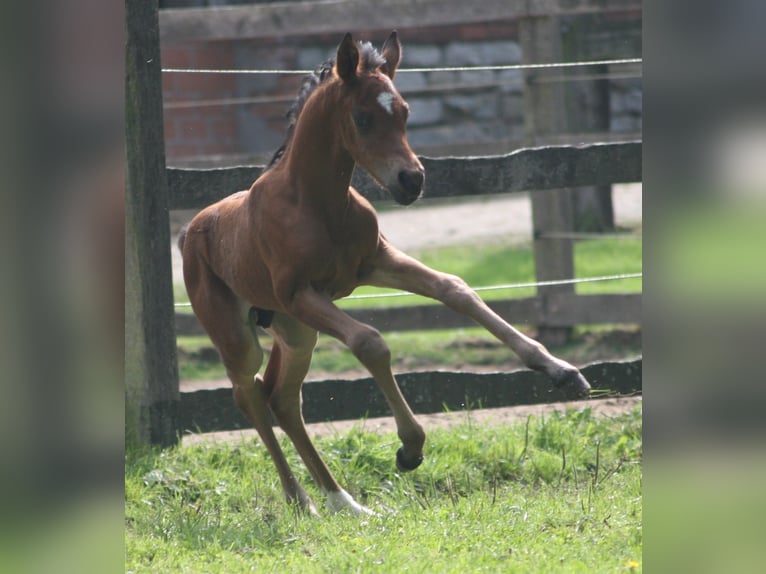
560 493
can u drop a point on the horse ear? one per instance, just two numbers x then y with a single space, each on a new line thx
392 52
347 59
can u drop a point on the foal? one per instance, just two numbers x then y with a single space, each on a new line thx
279 254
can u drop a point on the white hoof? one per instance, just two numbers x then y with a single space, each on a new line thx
342 500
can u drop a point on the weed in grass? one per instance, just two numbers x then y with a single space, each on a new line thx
554 494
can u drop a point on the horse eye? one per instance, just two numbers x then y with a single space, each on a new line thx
363 120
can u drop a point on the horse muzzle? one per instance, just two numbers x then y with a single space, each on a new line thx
408 186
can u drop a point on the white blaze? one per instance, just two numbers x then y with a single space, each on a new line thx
386 100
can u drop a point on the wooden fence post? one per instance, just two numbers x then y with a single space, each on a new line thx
587 110
545 115
151 368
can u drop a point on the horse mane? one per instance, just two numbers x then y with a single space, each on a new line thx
369 61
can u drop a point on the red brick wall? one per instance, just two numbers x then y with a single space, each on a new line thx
197 132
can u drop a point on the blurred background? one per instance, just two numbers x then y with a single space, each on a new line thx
703 125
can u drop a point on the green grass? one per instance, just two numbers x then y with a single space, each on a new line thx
560 493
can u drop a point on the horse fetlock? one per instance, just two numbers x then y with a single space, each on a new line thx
301 501
572 377
413 438
410 454
561 373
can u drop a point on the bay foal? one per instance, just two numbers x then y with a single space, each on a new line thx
279 254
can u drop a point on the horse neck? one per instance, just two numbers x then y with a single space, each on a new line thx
316 160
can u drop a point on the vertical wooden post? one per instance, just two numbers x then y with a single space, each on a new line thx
151 368
587 105
545 116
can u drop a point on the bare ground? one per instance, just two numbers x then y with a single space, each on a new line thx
384 425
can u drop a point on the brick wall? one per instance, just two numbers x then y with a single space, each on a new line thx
199 130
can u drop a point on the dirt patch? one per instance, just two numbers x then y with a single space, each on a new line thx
503 416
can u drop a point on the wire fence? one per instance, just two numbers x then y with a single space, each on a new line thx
411 70
506 286
409 92
465 86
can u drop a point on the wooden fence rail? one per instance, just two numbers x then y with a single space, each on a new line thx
301 18
427 392
529 169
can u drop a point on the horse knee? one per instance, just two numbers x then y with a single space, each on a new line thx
456 293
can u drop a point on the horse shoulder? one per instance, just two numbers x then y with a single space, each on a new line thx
363 213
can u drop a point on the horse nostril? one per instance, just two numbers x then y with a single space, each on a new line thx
411 181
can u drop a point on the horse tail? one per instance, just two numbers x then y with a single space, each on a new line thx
182 237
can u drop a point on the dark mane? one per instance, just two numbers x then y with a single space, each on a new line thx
369 61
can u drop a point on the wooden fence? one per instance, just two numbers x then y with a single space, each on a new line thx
212 410
155 409
535 169
301 18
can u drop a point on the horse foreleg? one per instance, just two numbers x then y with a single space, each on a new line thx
288 365
366 343
400 271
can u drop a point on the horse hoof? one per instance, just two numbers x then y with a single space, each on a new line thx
575 380
406 466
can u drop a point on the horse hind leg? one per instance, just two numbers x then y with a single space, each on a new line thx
288 365
227 322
